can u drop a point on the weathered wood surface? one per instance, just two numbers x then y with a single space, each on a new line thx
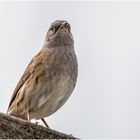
15 128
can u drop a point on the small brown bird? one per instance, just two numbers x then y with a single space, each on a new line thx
50 77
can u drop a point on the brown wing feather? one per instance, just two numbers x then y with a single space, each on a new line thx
19 85
31 66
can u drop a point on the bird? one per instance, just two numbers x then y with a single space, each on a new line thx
50 77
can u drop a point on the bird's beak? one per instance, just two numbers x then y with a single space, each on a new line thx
65 24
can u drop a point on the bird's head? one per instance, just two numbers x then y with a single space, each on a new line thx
59 34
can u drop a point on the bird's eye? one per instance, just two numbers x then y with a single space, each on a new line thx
52 29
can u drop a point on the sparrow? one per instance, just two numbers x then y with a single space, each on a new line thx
50 77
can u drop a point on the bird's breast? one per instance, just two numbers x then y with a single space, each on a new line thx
57 91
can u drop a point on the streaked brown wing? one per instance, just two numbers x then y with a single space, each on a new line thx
19 85
29 70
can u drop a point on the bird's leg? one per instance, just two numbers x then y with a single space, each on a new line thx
43 120
28 117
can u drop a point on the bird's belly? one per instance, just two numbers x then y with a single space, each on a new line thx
58 96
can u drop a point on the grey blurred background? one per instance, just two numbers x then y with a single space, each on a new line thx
106 100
